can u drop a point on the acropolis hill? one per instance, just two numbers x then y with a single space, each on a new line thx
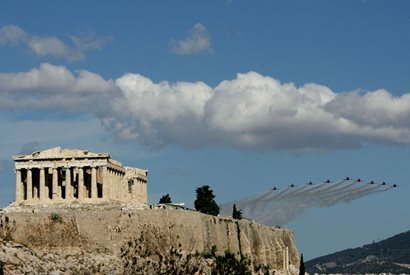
78 212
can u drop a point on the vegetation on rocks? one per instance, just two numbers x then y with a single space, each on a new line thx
55 217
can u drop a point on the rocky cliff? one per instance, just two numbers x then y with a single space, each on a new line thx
118 239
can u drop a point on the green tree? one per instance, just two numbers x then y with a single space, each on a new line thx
229 264
205 202
236 214
302 266
165 199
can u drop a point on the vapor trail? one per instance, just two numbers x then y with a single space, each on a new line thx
278 207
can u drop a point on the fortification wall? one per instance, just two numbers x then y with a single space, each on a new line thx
114 230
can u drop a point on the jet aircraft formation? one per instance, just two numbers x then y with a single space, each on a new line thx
278 206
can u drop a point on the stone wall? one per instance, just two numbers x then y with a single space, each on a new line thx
111 230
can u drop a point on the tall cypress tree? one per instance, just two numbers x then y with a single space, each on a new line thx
236 214
302 266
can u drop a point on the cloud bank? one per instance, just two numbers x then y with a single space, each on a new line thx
251 111
197 41
50 46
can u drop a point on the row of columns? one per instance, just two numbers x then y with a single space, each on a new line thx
56 191
115 180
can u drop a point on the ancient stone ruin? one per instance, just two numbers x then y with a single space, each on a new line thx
71 175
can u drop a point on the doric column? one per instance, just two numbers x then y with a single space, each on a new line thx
284 258
105 183
68 187
117 186
80 183
112 184
19 187
59 187
55 184
112 187
94 194
42 181
119 182
29 184
124 186
287 258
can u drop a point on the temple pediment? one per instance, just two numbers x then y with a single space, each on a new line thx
59 153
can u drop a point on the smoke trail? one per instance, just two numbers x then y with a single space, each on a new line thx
278 207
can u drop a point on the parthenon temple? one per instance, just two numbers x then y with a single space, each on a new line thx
71 175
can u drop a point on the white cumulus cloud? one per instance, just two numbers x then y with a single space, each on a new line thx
51 46
55 87
251 111
12 35
197 41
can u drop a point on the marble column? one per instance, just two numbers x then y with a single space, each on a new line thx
68 186
42 185
55 184
125 194
116 184
59 185
112 187
121 186
80 183
106 183
287 258
112 184
19 187
29 184
285 254
94 194
283 259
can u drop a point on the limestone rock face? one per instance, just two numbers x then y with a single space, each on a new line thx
117 239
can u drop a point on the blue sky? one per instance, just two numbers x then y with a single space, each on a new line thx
322 92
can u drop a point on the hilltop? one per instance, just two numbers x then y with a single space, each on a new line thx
390 255
131 239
